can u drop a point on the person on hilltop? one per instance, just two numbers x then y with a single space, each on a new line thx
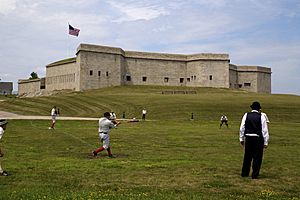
254 137
105 124
3 123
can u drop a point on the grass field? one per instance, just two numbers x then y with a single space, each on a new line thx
169 157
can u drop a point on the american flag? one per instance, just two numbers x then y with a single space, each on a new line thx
73 31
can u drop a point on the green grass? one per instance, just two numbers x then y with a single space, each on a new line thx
170 157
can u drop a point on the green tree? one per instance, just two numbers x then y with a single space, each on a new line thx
33 75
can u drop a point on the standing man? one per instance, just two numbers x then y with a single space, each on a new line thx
254 137
144 112
224 119
3 123
105 124
54 114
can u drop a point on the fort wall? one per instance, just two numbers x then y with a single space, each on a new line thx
98 66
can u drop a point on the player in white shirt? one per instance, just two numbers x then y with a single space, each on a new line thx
3 123
54 113
105 124
224 119
144 112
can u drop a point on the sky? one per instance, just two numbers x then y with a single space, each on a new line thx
34 33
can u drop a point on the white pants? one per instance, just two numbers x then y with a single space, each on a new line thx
53 117
105 139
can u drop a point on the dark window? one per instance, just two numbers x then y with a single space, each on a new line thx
144 78
128 78
106 73
181 80
91 72
247 84
194 77
188 80
166 79
210 77
99 73
240 85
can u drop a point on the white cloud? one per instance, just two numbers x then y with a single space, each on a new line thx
137 11
7 6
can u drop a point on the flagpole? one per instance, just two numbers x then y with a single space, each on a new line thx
69 42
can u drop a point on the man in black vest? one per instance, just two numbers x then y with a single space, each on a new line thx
254 137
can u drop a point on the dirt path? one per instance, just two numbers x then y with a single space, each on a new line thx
9 115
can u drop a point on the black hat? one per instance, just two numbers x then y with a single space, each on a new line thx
3 122
256 106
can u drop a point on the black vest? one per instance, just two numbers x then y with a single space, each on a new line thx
253 123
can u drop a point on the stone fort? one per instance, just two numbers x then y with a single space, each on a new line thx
98 66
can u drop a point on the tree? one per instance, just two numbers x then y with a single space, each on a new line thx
33 75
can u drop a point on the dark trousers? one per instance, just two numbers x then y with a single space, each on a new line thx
254 148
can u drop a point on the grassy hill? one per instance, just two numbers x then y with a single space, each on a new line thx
168 157
207 104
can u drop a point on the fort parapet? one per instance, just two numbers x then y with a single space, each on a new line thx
98 66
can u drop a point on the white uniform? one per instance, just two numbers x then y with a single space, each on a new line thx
53 115
104 127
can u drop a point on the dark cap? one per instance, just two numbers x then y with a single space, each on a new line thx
3 122
106 114
256 106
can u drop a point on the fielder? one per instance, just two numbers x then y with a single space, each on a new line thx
54 114
105 124
3 123
224 119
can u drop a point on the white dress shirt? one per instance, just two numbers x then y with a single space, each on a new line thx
264 129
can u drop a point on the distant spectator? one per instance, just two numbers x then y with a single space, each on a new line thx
224 119
144 112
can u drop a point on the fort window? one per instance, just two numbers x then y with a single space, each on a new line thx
91 72
210 77
99 73
181 80
247 84
106 73
144 78
240 85
188 80
166 79
194 77
128 78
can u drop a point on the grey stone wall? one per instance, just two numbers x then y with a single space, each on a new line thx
254 78
29 86
98 66
62 76
6 87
